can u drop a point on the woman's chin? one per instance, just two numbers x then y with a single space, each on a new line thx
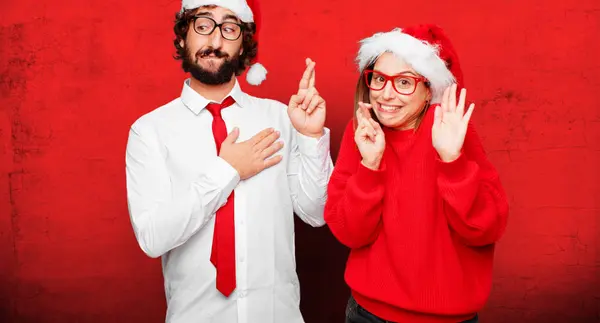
391 121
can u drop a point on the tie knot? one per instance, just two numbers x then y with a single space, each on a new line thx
215 108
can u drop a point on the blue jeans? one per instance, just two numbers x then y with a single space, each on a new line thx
357 314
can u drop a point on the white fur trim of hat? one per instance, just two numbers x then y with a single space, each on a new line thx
239 7
422 56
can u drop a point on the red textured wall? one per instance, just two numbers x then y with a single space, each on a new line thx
74 77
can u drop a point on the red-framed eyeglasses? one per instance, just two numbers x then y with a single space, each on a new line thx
402 83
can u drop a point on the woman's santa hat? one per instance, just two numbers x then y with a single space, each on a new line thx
247 11
425 47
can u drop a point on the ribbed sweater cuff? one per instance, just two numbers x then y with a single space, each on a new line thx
455 171
368 178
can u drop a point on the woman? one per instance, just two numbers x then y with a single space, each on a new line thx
413 193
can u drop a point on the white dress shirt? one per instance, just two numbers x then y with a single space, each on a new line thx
176 183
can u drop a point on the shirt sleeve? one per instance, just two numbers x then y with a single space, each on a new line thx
308 172
162 220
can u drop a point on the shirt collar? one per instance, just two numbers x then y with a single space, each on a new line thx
196 102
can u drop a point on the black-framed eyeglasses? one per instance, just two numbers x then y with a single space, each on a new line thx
206 26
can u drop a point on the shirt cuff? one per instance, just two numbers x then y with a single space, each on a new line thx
222 174
314 147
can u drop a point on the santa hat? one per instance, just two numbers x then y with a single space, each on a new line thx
247 11
425 47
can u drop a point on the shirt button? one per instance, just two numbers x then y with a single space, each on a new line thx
242 294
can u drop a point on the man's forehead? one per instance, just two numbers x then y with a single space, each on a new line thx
212 10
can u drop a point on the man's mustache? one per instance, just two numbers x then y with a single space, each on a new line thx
211 51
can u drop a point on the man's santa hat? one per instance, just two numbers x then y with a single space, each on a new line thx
247 11
425 47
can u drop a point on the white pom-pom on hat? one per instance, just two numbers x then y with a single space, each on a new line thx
256 74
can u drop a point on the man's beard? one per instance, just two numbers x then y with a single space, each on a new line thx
221 76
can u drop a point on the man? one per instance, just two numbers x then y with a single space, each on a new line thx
215 176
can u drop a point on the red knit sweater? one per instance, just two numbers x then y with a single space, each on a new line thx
421 231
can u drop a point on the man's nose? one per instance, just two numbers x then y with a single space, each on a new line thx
216 39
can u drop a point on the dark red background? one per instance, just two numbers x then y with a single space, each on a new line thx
74 77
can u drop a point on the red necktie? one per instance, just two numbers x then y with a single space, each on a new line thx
223 247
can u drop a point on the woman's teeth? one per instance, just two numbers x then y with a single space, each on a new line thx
389 108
